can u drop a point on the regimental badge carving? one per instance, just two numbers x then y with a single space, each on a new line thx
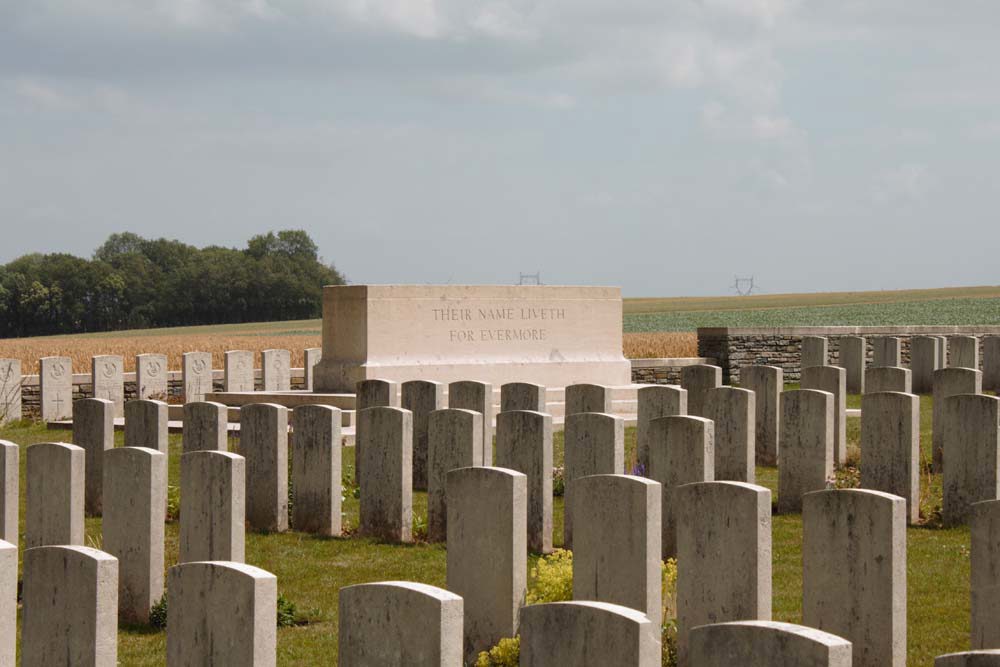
57 370
198 366
154 368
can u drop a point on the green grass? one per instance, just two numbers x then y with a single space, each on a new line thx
311 570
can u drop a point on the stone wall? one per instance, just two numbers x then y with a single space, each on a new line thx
737 347
663 371
83 387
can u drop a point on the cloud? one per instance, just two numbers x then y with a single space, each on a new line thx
904 183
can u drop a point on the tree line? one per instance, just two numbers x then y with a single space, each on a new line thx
132 282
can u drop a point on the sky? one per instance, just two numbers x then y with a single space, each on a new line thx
660 145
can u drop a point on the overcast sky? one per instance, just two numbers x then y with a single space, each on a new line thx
660 145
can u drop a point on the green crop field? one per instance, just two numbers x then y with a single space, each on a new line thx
951 306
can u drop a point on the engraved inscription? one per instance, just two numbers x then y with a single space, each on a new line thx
523 323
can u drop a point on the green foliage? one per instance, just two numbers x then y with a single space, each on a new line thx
668 631
552 578
133 282
507 653
286 612
289 614
158 614
847 477
558 482
173 503
419 526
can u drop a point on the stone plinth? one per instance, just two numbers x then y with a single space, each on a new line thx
551 335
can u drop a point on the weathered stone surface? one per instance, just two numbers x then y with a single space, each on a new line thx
478 396
767 643
372 393
833 380
723 556
264 444
856 536
107 373
942 351
971 454
276 370
213 510
805 460
923 362
221 614
852 360
135 494
386 473
587 634
698 380
989 658
616 551
205 427
196 374
455 441
421 398
963 352
984 524
312 356
10 390
10 483
814 351
949 382
733 411
594 445
55 495
888 378
377 393
524 444
682 452
399 623
94 431
886 351
767 383
487 550
522 396
316 469
8 603
890 447
55 378
991 364
9 492
584 397
238 371
151 377
146 425
655 401
70 612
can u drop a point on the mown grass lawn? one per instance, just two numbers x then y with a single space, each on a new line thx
310 570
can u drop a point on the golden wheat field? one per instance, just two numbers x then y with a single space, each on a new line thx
660 344
80 350
292 336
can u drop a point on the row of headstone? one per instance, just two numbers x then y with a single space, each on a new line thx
724 576
927 355
107 378
74 596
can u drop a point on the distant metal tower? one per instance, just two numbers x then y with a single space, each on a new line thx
743 286
530 278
